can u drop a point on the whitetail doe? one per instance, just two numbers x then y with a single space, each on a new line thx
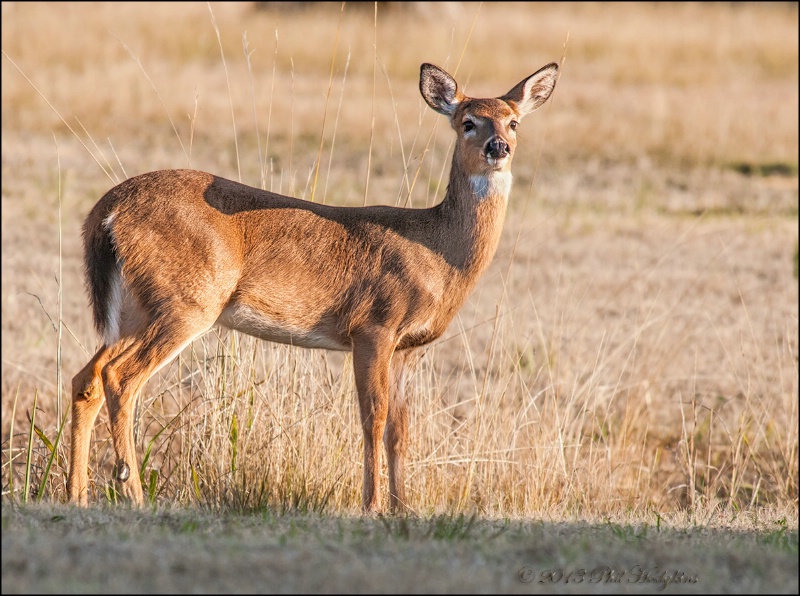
170 254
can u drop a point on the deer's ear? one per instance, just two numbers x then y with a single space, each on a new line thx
532 92
439 89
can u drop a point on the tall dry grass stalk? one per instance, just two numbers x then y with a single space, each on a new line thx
640 370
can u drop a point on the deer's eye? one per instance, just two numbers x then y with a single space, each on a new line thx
468 125
513 125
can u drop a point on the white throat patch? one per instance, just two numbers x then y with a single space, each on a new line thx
491 185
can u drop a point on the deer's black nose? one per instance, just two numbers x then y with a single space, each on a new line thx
496 148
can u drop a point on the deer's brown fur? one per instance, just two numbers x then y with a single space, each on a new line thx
169 254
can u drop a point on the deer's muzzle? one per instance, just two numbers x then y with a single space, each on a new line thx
496 148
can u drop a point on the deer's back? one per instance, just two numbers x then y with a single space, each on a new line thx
270 263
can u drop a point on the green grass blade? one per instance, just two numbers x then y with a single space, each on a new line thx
152 441
28 463
53 450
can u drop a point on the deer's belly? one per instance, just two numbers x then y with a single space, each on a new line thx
252 322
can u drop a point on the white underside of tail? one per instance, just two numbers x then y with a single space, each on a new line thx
491 185
111 332
114 309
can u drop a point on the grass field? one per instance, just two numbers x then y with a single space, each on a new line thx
629 360
122 551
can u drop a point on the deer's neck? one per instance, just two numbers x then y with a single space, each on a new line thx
474 209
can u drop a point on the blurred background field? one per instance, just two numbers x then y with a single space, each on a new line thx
633 347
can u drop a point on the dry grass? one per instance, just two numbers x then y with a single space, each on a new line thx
633 349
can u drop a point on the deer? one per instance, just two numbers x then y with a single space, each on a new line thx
170 254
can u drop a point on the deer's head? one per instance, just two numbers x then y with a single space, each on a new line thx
486 128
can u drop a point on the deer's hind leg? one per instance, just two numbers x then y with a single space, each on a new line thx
123 378
88 397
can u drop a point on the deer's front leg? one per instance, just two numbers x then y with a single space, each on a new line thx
372 351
